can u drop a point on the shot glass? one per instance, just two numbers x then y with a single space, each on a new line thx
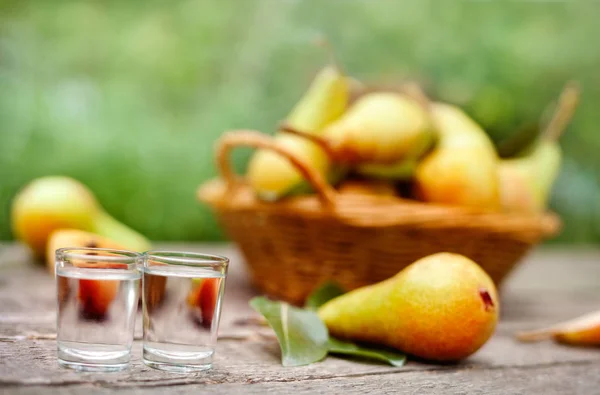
181 301
98 293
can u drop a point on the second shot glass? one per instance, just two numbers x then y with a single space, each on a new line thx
182 297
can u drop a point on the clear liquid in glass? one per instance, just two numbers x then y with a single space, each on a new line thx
181 312
96 317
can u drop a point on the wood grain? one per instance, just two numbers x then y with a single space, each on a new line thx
553 284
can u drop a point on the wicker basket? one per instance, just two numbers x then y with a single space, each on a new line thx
293 245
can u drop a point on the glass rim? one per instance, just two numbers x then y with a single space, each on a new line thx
129 258
181 258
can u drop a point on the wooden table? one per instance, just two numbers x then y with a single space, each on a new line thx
551 285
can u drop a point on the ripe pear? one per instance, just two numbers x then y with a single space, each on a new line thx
272 176
526 182
463 168
581 331
50 203
402 170
383 135
381 128
443 307
73 238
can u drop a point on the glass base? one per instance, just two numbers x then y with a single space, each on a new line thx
90 357
177 361
92 367
176 368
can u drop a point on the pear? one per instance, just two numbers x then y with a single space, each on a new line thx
526 182
463 168
50 203
382 135
272 176
443 307
581 331
381 127
402 170
73 238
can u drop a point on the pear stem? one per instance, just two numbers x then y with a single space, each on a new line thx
320 141
567 103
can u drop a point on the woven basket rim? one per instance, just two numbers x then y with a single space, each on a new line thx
231 193
376 211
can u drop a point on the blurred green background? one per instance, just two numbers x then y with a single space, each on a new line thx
129 96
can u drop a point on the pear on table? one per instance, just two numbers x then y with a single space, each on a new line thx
443 307
50 203
581 331
95 296
75 238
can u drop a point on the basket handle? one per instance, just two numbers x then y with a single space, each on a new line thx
255 139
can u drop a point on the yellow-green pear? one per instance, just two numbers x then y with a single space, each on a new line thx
272 176
382 135
402 170
381 128
463 168
526 182
75 238
55 202
443 307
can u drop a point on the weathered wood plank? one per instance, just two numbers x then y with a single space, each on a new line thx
551 285
258 360
550 380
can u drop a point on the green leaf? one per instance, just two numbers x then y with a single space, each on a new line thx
302 335
394 358
323 294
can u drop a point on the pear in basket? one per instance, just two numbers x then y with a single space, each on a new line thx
443 307
382 135
526 181
272 176
463 168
